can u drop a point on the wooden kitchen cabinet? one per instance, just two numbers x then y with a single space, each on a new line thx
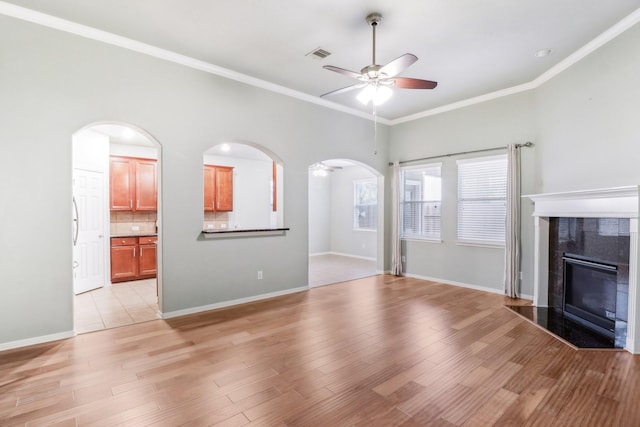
133 184
218 188
133 258
147 267
146 185
124 263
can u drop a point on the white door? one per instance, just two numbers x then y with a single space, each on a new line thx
88 228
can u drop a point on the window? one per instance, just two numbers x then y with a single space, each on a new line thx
365 204
482 200
421 202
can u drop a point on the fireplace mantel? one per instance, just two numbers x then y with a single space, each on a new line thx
618 202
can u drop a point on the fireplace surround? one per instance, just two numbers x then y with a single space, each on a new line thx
611 203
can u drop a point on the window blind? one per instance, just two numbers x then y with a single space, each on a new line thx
482 196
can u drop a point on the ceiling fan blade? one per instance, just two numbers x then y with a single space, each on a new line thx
398 65
351 74
409 83
343 90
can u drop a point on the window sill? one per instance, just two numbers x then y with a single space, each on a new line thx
223 234
480 244
368 230
420 239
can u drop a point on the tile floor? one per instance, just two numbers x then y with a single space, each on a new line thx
329 268
121 304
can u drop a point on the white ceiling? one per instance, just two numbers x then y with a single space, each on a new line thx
470 47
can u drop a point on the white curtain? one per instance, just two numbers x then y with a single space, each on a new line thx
512 237
396 253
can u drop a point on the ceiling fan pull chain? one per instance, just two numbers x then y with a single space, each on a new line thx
375 129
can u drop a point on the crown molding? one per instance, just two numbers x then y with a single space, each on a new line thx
50 21
465 103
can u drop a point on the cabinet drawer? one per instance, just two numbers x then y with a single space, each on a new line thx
147 239
124 241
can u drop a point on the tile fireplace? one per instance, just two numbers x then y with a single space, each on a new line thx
596 231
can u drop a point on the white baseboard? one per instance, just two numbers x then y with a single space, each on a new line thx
193 310
466 285
454 283
37 340
319 253
343 254
353 256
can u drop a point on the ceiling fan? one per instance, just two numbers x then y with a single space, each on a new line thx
377 80
322 169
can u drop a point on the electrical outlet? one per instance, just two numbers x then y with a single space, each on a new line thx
135 228
521 275
403 258
259 274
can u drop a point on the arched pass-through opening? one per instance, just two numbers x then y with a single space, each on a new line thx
117 226
346 200
243 188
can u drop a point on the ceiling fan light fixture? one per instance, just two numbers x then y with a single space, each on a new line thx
543 53
377 94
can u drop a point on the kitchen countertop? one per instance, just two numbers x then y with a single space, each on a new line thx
134 235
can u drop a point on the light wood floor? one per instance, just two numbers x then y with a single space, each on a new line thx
379 351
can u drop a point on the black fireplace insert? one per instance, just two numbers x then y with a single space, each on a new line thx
590 291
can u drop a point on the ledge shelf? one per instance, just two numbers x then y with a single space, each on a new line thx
252 232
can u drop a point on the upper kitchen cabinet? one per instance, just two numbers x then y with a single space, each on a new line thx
218 188
133 184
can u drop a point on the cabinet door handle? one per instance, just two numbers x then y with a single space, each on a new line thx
141 248
134 251
130 204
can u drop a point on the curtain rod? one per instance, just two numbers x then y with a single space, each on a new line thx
526 144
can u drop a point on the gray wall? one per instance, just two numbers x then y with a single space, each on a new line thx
588 120
319 214
53 84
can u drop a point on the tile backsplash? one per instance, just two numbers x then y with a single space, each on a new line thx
126 222
216 220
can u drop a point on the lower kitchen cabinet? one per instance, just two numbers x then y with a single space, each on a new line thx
133 258
147 267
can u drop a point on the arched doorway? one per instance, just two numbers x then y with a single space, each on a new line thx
116 224
345 217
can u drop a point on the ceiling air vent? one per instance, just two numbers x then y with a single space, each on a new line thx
318 53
